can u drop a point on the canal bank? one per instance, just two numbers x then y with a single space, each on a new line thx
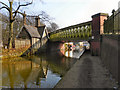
87 72
12 53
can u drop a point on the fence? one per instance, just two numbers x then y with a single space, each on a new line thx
112 24
20 43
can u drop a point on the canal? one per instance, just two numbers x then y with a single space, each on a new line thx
37 71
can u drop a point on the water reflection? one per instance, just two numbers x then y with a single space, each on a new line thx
72 49
43 71
73 53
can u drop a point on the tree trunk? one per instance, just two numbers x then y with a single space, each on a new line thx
10 40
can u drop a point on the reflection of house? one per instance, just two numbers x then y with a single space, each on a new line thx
34 36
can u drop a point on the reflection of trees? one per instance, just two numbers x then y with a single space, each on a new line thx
16 72
38 66
22 71
55 65
10 76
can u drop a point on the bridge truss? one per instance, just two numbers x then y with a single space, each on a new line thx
77 32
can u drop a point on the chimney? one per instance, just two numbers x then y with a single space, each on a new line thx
24 18
37 21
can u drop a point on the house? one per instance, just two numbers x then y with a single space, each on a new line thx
32 36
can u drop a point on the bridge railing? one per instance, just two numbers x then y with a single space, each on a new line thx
79 31
112 24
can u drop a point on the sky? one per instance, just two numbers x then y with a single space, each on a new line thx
71 12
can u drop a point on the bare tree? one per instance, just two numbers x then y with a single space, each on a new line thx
5 27
54 26
44 18
18 23
12 16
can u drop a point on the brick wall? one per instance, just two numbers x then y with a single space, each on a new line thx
110 54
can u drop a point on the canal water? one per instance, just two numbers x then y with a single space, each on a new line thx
40 71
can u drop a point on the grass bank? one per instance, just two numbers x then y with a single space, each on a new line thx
12 52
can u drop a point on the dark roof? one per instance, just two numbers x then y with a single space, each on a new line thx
32 31
41 30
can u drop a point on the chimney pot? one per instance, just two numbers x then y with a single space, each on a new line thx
37 21
24 18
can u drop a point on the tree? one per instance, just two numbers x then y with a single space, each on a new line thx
18 23
44 18
5 31
12 17
54 26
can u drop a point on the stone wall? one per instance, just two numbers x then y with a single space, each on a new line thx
110 54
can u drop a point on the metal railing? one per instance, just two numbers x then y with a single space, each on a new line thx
74 32
112 24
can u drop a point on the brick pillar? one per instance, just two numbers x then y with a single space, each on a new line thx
97 30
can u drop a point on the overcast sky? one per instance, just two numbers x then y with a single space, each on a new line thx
70 12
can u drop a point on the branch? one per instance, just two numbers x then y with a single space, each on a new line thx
20 13
29 21
4 4
21 6
45 20
30 16
5 8
24 5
